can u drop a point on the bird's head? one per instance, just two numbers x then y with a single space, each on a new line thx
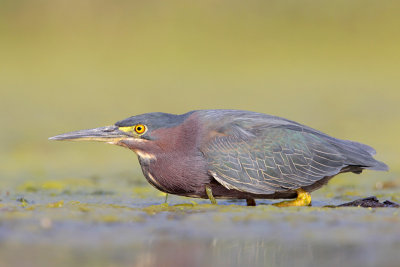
138 133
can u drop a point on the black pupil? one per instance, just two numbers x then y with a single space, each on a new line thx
139 128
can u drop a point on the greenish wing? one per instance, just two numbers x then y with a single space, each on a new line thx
277 160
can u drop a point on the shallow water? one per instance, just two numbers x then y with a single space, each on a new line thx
88 222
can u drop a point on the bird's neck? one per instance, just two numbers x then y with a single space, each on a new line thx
174 164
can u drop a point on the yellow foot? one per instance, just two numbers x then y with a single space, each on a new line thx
303 199
210 195
251 202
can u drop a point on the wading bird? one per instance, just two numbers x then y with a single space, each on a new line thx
233 154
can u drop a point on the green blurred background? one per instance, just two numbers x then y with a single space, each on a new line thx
67 65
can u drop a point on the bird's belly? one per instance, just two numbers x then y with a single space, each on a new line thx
173 183
178 174
192 182
221 192
146 164
150 178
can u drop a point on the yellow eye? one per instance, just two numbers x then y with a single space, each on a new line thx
140 128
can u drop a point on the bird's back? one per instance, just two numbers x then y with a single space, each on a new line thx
260 153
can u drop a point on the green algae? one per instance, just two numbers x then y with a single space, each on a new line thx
126 219
153 209
58 204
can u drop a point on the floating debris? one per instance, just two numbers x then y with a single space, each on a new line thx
370 202
24 201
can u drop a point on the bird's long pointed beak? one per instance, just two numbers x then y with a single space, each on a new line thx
109 134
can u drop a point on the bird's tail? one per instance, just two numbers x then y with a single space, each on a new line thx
358 154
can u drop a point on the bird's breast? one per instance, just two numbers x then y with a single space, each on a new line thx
175 174
148 162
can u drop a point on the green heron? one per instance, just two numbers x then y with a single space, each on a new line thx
233 154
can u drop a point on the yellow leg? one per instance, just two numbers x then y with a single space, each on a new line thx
303 199
210 195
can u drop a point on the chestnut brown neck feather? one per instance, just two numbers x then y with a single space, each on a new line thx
172 161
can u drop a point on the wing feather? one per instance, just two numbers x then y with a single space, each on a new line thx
274 160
